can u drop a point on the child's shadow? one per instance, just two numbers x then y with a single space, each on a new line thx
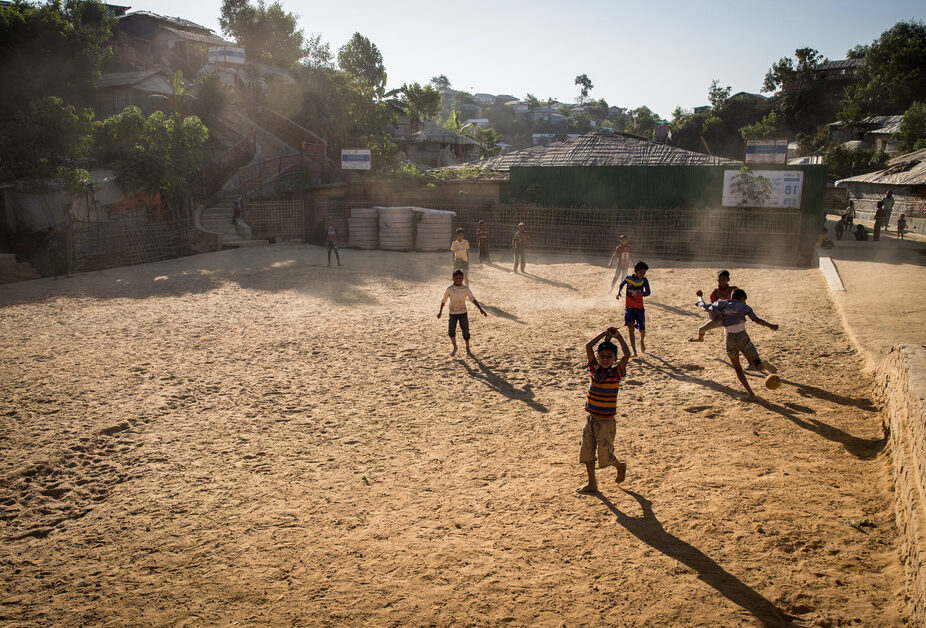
673 309
501 385
649 529
497 311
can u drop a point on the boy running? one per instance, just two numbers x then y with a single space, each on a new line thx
624 256
460 250
733 314
723 291
634 314
458 294
601 405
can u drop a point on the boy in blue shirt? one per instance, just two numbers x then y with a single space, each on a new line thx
732 313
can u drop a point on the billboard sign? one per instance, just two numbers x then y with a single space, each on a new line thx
355 159
226 54
767 151
784 188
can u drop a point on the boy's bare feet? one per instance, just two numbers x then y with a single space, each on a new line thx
588 489
621 471
771 368
698 339
750 397
454 352
469 352
642 346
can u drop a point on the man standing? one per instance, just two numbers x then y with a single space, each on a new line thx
519 246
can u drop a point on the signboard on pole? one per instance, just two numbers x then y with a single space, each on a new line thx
226 54
784 189
767 151
355 159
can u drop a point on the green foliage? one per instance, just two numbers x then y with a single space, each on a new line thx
440 82
411 174
784 71
421 103
55 49
598 110
892 75
267 32
361 59
45 144
211 98
754 189
843 162
912 133
585 86
717 95
642 121
813 143
772 125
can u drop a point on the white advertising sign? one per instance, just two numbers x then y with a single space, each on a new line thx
785 188
767 151
355 159
226 54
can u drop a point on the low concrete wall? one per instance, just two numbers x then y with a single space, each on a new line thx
901 392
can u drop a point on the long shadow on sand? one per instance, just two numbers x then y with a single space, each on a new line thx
539 279
497 311
499 384
862 448
675 310
649 529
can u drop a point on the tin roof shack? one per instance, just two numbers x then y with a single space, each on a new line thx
905 176
437 147
873 133
168 41
117 90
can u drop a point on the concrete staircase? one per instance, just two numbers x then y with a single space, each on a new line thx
11 270
218 219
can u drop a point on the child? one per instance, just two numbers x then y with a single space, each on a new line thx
733 313
879 220
482 236
901 226
723 291
601 406
624 256
331 240
519 244
634 314
458 294
824 241
460 250
840 227
860 234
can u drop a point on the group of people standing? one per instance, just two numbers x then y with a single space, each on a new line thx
459 248
883 210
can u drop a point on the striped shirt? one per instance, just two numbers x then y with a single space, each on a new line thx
603 386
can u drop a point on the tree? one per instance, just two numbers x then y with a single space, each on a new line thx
45 143
892 75
770 126
266 32
785 72
912 133
361 59
753 189
440 82
532 101
842 162
421 103
717 95
585 86
642 121
55 49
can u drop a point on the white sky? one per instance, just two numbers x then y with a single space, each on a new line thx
661 56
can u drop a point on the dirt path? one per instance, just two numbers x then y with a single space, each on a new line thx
186 443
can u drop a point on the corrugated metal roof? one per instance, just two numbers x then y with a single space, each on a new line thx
839 64
176 22
444 136
121 79
908 169
215 40
601 148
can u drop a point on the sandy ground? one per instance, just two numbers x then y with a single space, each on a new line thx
249 437
885 297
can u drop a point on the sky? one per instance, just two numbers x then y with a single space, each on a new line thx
661 56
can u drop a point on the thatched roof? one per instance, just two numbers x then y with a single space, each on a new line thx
601 148
909 169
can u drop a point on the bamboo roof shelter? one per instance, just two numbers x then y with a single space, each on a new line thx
605 147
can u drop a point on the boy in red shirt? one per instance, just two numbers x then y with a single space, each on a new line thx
601 405
723 291
634 314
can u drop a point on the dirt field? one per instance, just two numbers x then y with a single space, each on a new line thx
186 443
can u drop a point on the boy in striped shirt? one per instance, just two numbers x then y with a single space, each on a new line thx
601 405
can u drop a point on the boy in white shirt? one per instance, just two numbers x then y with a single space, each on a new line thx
458 294
460 250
